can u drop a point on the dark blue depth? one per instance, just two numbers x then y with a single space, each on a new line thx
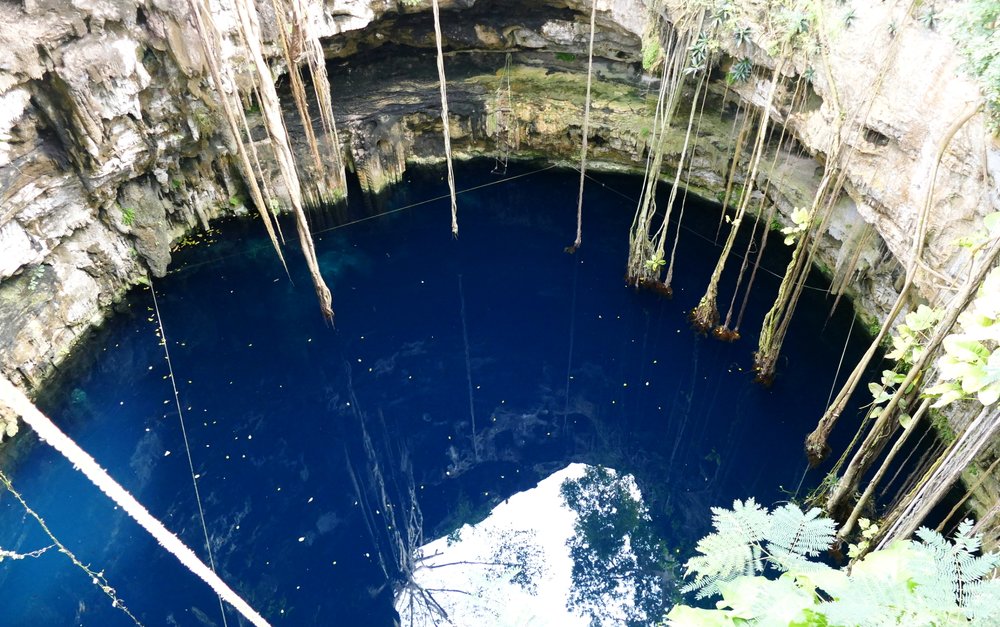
275 400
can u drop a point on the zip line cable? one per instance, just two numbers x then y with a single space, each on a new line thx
187 446
378 215
82 461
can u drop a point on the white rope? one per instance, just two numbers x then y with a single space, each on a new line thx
187 447
81 460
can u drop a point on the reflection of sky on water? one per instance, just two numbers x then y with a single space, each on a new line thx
578 549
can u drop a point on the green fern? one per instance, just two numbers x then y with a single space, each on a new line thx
749 538
956 565
932 581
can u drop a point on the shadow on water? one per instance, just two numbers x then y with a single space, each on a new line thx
325 456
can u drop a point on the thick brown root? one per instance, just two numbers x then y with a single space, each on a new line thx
704 317
725 334
657 287
763 367
816 448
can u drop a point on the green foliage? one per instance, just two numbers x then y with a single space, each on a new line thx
655 264
699 51
927 582
566 56
975 26
971 363
882 392
978 239
849 18
740 72
809 75
742 35
913 333
801 218
616 553
749 539
892 29
868 531
128 216
721 14
929 17
651 51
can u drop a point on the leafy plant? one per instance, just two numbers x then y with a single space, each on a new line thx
128 216
742 35
699 50
569 56
740 72
882 392
655 264
722 14
974 28
911 335
749 540
849 18
809 75
929 17
928 582
800 224
893 28
970 365
868 531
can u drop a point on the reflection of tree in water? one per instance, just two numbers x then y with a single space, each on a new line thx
620 567
386 496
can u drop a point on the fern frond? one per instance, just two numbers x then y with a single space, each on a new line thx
796 534
732 550
983 602
956 565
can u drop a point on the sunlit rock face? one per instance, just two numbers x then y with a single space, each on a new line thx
578 549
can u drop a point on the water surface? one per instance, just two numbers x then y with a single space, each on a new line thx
469 368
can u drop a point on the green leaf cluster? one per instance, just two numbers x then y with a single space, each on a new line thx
749 539
976 31
912 334
970 365
801 219
927 582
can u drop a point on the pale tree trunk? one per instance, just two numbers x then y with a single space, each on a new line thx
918 504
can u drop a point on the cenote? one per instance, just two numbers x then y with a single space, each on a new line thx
469 368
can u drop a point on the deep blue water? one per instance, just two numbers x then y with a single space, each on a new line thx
430 330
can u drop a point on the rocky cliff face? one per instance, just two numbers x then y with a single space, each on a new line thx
111 144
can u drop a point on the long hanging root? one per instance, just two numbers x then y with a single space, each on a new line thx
816 442
271 110
875 440
705 316
209 36
908 514
446 125
586 132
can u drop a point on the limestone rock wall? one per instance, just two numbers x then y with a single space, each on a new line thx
111 143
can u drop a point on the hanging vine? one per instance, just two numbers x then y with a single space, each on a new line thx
586 132
446 124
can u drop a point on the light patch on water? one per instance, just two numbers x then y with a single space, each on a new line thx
515 568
